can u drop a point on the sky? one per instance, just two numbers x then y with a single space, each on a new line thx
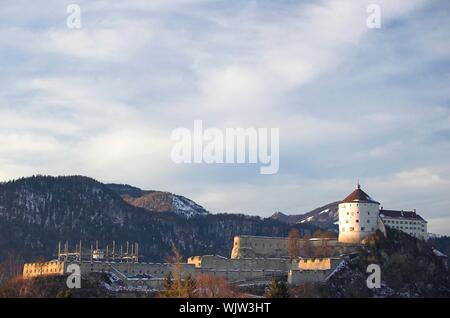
350 102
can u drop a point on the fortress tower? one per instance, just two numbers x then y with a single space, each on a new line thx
358 217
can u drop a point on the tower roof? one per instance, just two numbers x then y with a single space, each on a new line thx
359 195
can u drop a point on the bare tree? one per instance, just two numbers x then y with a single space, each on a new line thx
293 243
209 286
11 268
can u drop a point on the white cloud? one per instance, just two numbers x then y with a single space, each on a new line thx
349 101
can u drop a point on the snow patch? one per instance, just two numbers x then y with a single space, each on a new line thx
438 253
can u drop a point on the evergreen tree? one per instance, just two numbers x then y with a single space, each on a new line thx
277 289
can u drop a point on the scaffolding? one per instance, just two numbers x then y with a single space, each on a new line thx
109 253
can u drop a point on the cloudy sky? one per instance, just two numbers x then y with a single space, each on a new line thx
351 102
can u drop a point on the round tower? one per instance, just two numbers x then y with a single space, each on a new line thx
358 216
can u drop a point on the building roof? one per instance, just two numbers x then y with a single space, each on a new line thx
401 214
359 196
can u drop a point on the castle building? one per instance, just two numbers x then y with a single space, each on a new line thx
407 221
254 259
359 217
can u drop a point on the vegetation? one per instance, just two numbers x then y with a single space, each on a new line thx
277 289
293 243
37 212
409 268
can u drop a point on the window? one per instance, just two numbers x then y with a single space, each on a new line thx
352 229
368 221
362 228
357 221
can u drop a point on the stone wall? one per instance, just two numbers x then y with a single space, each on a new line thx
55 267
246 246
220 262
297 277
312 270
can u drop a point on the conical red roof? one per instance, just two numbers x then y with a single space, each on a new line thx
359 196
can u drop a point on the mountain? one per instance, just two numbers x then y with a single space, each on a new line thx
323 217
409 267
39 211
158 201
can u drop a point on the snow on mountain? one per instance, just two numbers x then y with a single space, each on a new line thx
324 216
159 201
186 207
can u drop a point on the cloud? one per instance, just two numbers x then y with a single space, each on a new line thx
350 102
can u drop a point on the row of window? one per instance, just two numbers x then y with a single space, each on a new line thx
357 212
406 228
357 221
403 222
351 229
47 270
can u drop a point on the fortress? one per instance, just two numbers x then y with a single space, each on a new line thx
254 259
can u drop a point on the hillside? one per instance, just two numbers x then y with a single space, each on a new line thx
158 201
324 216
409 268
37 212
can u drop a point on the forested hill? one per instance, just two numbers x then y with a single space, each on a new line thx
39 211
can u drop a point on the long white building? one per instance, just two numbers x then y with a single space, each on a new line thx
407 221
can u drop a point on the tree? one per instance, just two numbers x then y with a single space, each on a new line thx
277 289
293 243
167 285
209 286
189 287
174 286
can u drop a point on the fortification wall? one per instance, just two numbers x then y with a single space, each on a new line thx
240 276
222 263
157 270
317 263
298 277
50 268
268 247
